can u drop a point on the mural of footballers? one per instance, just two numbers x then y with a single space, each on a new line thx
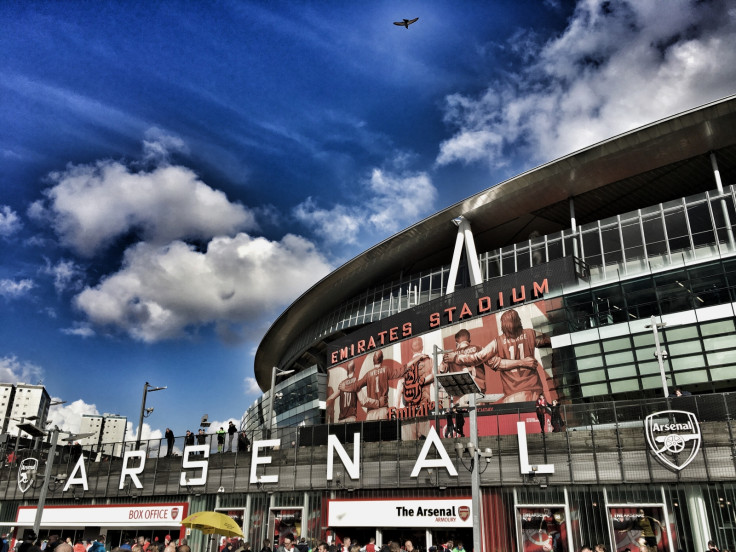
513 355
347 402
375 398
463 346
416 388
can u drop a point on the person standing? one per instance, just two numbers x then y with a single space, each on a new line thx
98 545
542 411
231 432
459 421
201 437
189 439
555 416
169 441
220 439
449 422
243 442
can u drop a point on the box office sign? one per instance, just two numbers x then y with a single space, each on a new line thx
452 512
674 437
126 515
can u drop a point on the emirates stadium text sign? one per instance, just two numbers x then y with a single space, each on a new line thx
494 295
408 512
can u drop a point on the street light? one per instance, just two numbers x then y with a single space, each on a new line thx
47 473
145 412
21 426
659 353
269 422
458 384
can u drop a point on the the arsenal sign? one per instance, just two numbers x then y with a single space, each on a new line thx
674 437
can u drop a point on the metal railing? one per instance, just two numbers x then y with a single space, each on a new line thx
602 443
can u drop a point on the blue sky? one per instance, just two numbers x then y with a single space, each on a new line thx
174 174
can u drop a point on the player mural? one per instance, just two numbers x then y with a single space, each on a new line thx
639 528
542 529
507 354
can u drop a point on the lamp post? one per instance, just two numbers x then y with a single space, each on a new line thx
457 384
20 423
47 474
274 371
659 353
147 388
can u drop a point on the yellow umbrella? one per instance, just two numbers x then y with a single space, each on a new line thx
213 523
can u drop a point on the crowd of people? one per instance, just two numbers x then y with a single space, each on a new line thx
228 440
346 544
30 543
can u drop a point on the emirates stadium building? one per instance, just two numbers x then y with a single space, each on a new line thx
546 364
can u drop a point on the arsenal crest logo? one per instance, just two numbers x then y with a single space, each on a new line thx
27 473
674 437
463 512
174 513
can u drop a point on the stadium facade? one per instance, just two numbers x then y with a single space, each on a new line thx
603 281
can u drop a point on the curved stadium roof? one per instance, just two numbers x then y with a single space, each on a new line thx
659 162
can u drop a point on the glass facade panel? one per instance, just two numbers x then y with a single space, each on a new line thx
709 286
587 349
589 362
722 342
620 357
612 244
592 247
651 367
633 244
684 348
673 290
651 382
677 229
617 344
700 224
677 334
594 390
628 371
714 328
687 363
592 376
623 386
692 377
640 298
654 235
722 374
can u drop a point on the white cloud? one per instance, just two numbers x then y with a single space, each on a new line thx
9 222
158 146
161 292
14 371
390 202
617 66
148 433
13 289
339 224
66 273
251 386
69 416
92 205
79 329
